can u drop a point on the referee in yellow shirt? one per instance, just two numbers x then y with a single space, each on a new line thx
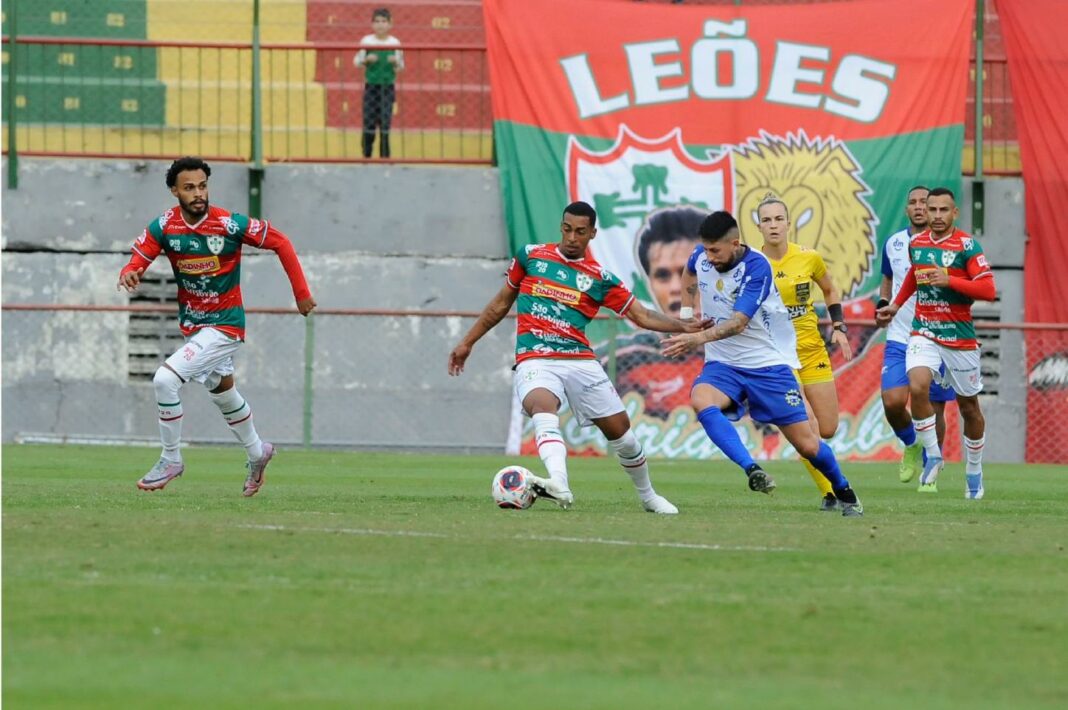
795 269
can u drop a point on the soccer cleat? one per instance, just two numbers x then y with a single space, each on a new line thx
829 504
160 475
759 481
549 489
660 505
256 471
931 469
852 510
974 489
928 488
911 462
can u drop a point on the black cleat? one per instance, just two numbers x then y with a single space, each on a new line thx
759 481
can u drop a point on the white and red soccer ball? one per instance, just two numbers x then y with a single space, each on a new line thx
513 487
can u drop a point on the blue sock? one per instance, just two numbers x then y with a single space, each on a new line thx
827 464
907 435
724 436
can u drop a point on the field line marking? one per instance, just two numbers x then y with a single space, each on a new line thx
711 547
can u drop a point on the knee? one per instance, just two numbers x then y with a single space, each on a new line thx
165 381
895 401
969 407
809 448
827 430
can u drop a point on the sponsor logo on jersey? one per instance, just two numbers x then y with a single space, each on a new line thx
802 292
254 226
231 226
796 312
198 265
143 237
584 282
165 217
558 293
982 262
216 243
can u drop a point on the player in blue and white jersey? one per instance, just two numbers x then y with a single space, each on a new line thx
750 357
895 380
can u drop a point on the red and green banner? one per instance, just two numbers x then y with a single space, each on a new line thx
1038 68
659 114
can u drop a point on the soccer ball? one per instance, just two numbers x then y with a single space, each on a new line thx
513 487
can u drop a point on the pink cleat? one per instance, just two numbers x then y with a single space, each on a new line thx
160 475
256 470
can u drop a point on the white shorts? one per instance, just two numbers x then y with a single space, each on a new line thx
206 357
962 366
583 384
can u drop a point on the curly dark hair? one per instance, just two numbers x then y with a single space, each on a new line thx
183 164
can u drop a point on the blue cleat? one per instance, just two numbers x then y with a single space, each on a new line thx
974 491
929 477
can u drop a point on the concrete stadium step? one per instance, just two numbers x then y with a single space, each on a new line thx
215 21
92 101
414 21
418 106
78 61
421 66
104 19
280 143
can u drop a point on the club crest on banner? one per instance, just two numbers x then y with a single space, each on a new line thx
635 177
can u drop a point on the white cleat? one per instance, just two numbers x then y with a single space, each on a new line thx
160 475
660 505
551 490
973 489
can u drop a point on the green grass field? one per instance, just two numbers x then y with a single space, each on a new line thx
391 581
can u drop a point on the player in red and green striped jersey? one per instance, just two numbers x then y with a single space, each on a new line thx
203 244
949 272
559 289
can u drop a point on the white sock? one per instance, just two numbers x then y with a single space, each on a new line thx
925 432
974 449
169 405
632 459
551 447
238 415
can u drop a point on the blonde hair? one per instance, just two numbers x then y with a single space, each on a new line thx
772 199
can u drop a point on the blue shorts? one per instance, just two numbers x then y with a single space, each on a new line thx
894 374
771 394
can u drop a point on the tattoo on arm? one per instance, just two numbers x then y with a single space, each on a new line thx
732 326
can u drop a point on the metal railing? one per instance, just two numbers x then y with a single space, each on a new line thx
127 98
377 378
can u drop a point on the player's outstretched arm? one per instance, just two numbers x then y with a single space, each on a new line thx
144 251
642 317
687 342
491 315
280 244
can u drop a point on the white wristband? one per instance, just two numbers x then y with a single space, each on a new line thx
686 313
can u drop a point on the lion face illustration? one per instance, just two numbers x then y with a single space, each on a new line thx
819 180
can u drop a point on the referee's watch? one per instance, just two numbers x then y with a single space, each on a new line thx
840 327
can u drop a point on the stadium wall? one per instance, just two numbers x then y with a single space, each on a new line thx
370 237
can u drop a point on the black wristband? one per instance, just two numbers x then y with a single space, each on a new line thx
835 311
882 303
